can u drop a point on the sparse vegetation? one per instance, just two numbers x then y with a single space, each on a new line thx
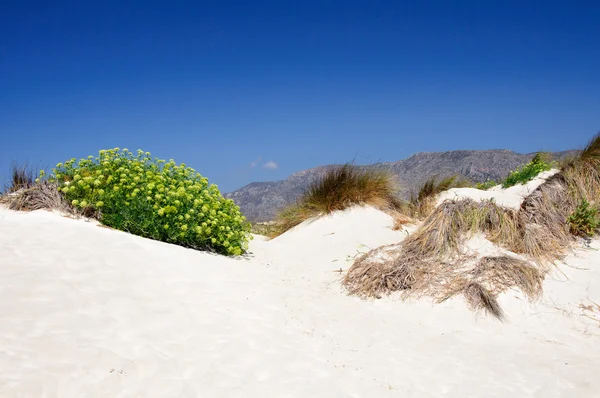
398 268
529 171
584 221
423 202
342 187
484 186
38 196
444 232
263 228
546 234
432 261
21 177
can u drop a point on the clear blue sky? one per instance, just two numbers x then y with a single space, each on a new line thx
227 85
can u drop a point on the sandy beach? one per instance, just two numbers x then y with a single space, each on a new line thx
89 311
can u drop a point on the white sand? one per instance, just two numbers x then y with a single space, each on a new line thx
510 197
87 311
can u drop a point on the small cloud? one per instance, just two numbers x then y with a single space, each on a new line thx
255 162
271 165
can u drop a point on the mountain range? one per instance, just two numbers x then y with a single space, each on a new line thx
260 201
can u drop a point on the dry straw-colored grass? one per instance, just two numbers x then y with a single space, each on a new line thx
492 276
342 187
21 177
431 262
546 235
42 195
393 269
444 232
479 298
423 203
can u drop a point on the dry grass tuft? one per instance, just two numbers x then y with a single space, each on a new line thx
400 219
423 202
21 177
340 188
349 185
545 234
591 153
43 195
546 211
444 232
492 276
394 268
501 273
479 298
432 262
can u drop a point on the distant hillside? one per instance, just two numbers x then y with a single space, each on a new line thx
260 201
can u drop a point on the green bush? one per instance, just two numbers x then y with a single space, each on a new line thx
528 171
154 199
584 221
484 186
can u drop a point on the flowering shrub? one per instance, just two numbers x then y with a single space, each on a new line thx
154 199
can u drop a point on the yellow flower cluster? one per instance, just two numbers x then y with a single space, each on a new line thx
154 198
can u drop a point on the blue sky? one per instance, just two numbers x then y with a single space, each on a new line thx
252 91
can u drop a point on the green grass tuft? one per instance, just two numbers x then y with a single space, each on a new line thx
529 171
585 220
484 186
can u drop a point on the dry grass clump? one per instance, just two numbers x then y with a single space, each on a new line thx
444 232
591 153
395 269
423 203
21 176
479 298
503 272
400 219
496 274
340 188
432 262
546 211
42 195
348 185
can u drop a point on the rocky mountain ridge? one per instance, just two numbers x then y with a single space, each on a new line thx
260 201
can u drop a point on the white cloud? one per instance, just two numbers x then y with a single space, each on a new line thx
271 165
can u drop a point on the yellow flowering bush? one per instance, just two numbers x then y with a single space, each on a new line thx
155 199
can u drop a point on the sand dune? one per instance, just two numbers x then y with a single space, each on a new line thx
88 311
511 197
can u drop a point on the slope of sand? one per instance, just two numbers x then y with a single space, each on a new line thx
88 311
